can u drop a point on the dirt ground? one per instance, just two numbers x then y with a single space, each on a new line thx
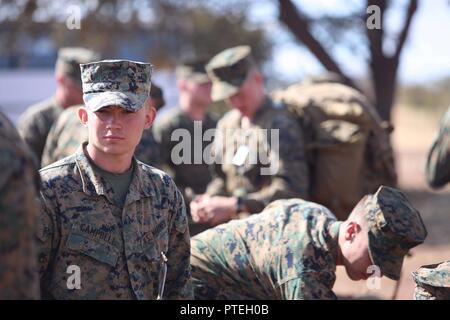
412 137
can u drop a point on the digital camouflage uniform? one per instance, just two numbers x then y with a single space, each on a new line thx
36 122
438 162
18 215
120 250
432 282
228 71
34 125
286 252
289 250
67 134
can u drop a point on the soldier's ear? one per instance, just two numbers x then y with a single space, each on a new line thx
83 116
150 114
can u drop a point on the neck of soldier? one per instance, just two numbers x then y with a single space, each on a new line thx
110 162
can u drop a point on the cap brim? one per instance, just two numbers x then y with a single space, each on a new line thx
223 90
389 257
129 101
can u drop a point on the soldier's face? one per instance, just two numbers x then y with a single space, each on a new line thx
355 252
196 94
116 131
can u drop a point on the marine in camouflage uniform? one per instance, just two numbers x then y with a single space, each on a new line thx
432 282
187 175
438 161
67 134
127 245
18 215
291 249
34 125
279 168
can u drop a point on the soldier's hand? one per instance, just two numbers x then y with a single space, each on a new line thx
198 212
219 209
213 210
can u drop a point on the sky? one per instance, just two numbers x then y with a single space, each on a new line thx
426 55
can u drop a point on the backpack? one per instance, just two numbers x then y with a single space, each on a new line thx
347 144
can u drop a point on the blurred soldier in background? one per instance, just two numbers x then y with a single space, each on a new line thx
19 182
254 130
36 122
190 118
438 161
291 249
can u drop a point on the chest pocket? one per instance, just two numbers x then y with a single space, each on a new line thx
98 250
156 242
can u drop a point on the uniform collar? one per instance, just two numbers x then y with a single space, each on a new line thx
333 232
94 185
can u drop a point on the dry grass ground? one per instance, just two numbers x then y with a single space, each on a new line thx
413 135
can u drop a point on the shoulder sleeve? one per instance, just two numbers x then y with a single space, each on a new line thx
46 235
178 283
19 211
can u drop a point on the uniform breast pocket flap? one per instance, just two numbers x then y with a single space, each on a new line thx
100 251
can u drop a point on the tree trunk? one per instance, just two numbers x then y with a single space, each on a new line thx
383 67
299 27
384 79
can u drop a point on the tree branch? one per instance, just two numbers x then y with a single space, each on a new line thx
290 16
412 8
375 36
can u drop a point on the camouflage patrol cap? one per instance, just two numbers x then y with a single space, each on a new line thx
70 58
228 71
193 70
116 82
394 228
432 282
